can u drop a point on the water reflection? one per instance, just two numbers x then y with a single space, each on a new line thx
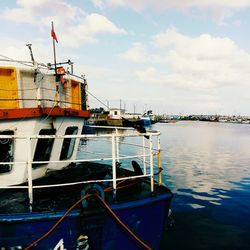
203 161
206 165
203 156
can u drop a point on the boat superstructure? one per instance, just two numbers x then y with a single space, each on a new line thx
64 189
36 101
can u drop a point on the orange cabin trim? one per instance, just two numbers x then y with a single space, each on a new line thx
37 112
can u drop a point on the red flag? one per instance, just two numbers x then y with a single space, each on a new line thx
53 34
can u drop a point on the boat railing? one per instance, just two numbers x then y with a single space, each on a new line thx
149 155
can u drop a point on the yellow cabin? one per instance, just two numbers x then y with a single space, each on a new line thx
22 88
8 88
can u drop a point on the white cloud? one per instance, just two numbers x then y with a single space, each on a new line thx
71 22
178 4
200 63
35 12
218 10
139 54
18 51
98 3
87 30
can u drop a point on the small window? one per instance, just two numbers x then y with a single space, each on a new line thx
43 147
116 113
6 151
68 143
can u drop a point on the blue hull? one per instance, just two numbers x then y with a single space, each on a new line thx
146 217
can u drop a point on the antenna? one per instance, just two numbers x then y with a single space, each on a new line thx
31 53
33 61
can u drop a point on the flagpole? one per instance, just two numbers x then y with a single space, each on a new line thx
54 47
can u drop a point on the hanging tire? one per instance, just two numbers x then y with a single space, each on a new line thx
91 189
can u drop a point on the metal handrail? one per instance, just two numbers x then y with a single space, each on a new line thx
116 157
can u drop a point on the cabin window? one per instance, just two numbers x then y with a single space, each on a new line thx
6 151
115 112
68 143
43 147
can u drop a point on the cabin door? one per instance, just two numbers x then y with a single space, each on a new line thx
8 88
75 95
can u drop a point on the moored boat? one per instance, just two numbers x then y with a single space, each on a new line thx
145 120
64 189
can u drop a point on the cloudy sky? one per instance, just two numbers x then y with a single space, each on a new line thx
174 57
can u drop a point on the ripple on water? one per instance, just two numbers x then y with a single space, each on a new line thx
208 166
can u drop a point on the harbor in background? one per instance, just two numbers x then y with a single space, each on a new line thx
117 116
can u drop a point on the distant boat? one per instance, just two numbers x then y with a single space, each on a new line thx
222 120
145 120
245 122
169 120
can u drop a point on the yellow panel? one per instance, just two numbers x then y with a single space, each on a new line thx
8 88
75 94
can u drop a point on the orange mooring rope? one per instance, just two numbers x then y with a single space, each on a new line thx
57 223
145 245
136 237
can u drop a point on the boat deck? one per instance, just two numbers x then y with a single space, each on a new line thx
60 198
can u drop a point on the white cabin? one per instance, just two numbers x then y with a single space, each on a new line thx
38 108
116 114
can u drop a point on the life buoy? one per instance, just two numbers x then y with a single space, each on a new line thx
91 189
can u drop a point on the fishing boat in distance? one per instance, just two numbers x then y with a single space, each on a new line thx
64 189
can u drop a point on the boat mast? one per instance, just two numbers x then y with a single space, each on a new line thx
54 47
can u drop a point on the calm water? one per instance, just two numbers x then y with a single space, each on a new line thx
207 166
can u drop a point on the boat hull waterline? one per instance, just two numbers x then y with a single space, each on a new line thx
102 230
